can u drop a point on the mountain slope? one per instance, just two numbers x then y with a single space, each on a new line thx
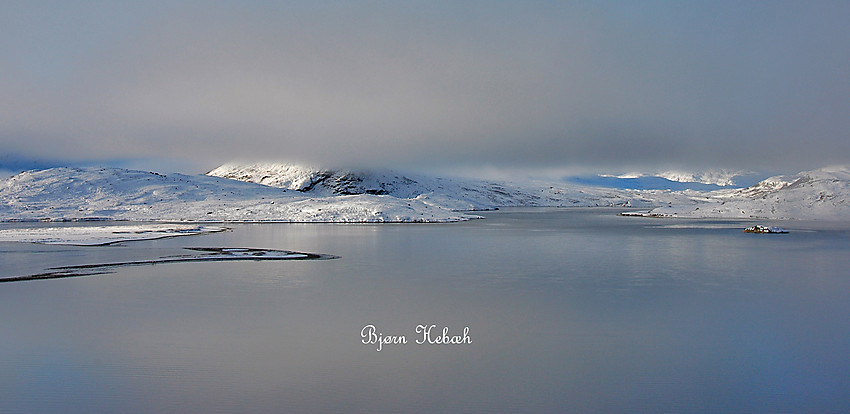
120 194
818 194
456 194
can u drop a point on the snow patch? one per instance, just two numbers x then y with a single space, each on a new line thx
100 235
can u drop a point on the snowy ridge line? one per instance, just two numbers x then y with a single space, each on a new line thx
454 194
720 178
723 178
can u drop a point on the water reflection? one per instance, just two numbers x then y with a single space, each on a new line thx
576 310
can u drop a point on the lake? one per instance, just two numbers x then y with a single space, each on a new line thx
565 310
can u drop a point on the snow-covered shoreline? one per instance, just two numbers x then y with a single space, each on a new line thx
103 235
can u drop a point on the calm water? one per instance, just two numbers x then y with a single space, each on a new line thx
568 311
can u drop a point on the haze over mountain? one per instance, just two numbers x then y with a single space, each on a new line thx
677 180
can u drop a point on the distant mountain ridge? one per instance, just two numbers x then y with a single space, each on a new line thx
721 177
675 180
641 183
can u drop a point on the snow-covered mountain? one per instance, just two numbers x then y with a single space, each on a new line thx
722 177
455 194
120 194
818 194
639 183
321 181
675 180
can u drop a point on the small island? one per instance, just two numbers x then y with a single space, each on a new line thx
764 229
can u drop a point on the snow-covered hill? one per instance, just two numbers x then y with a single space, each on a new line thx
819 194
723 178
456 194
120 194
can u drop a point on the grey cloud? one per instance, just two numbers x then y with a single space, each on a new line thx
448 84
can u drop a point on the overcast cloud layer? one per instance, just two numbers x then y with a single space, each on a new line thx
430 84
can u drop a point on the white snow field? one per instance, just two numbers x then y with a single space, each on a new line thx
820 194
70 194
99 235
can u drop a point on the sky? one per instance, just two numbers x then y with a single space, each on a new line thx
604 85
